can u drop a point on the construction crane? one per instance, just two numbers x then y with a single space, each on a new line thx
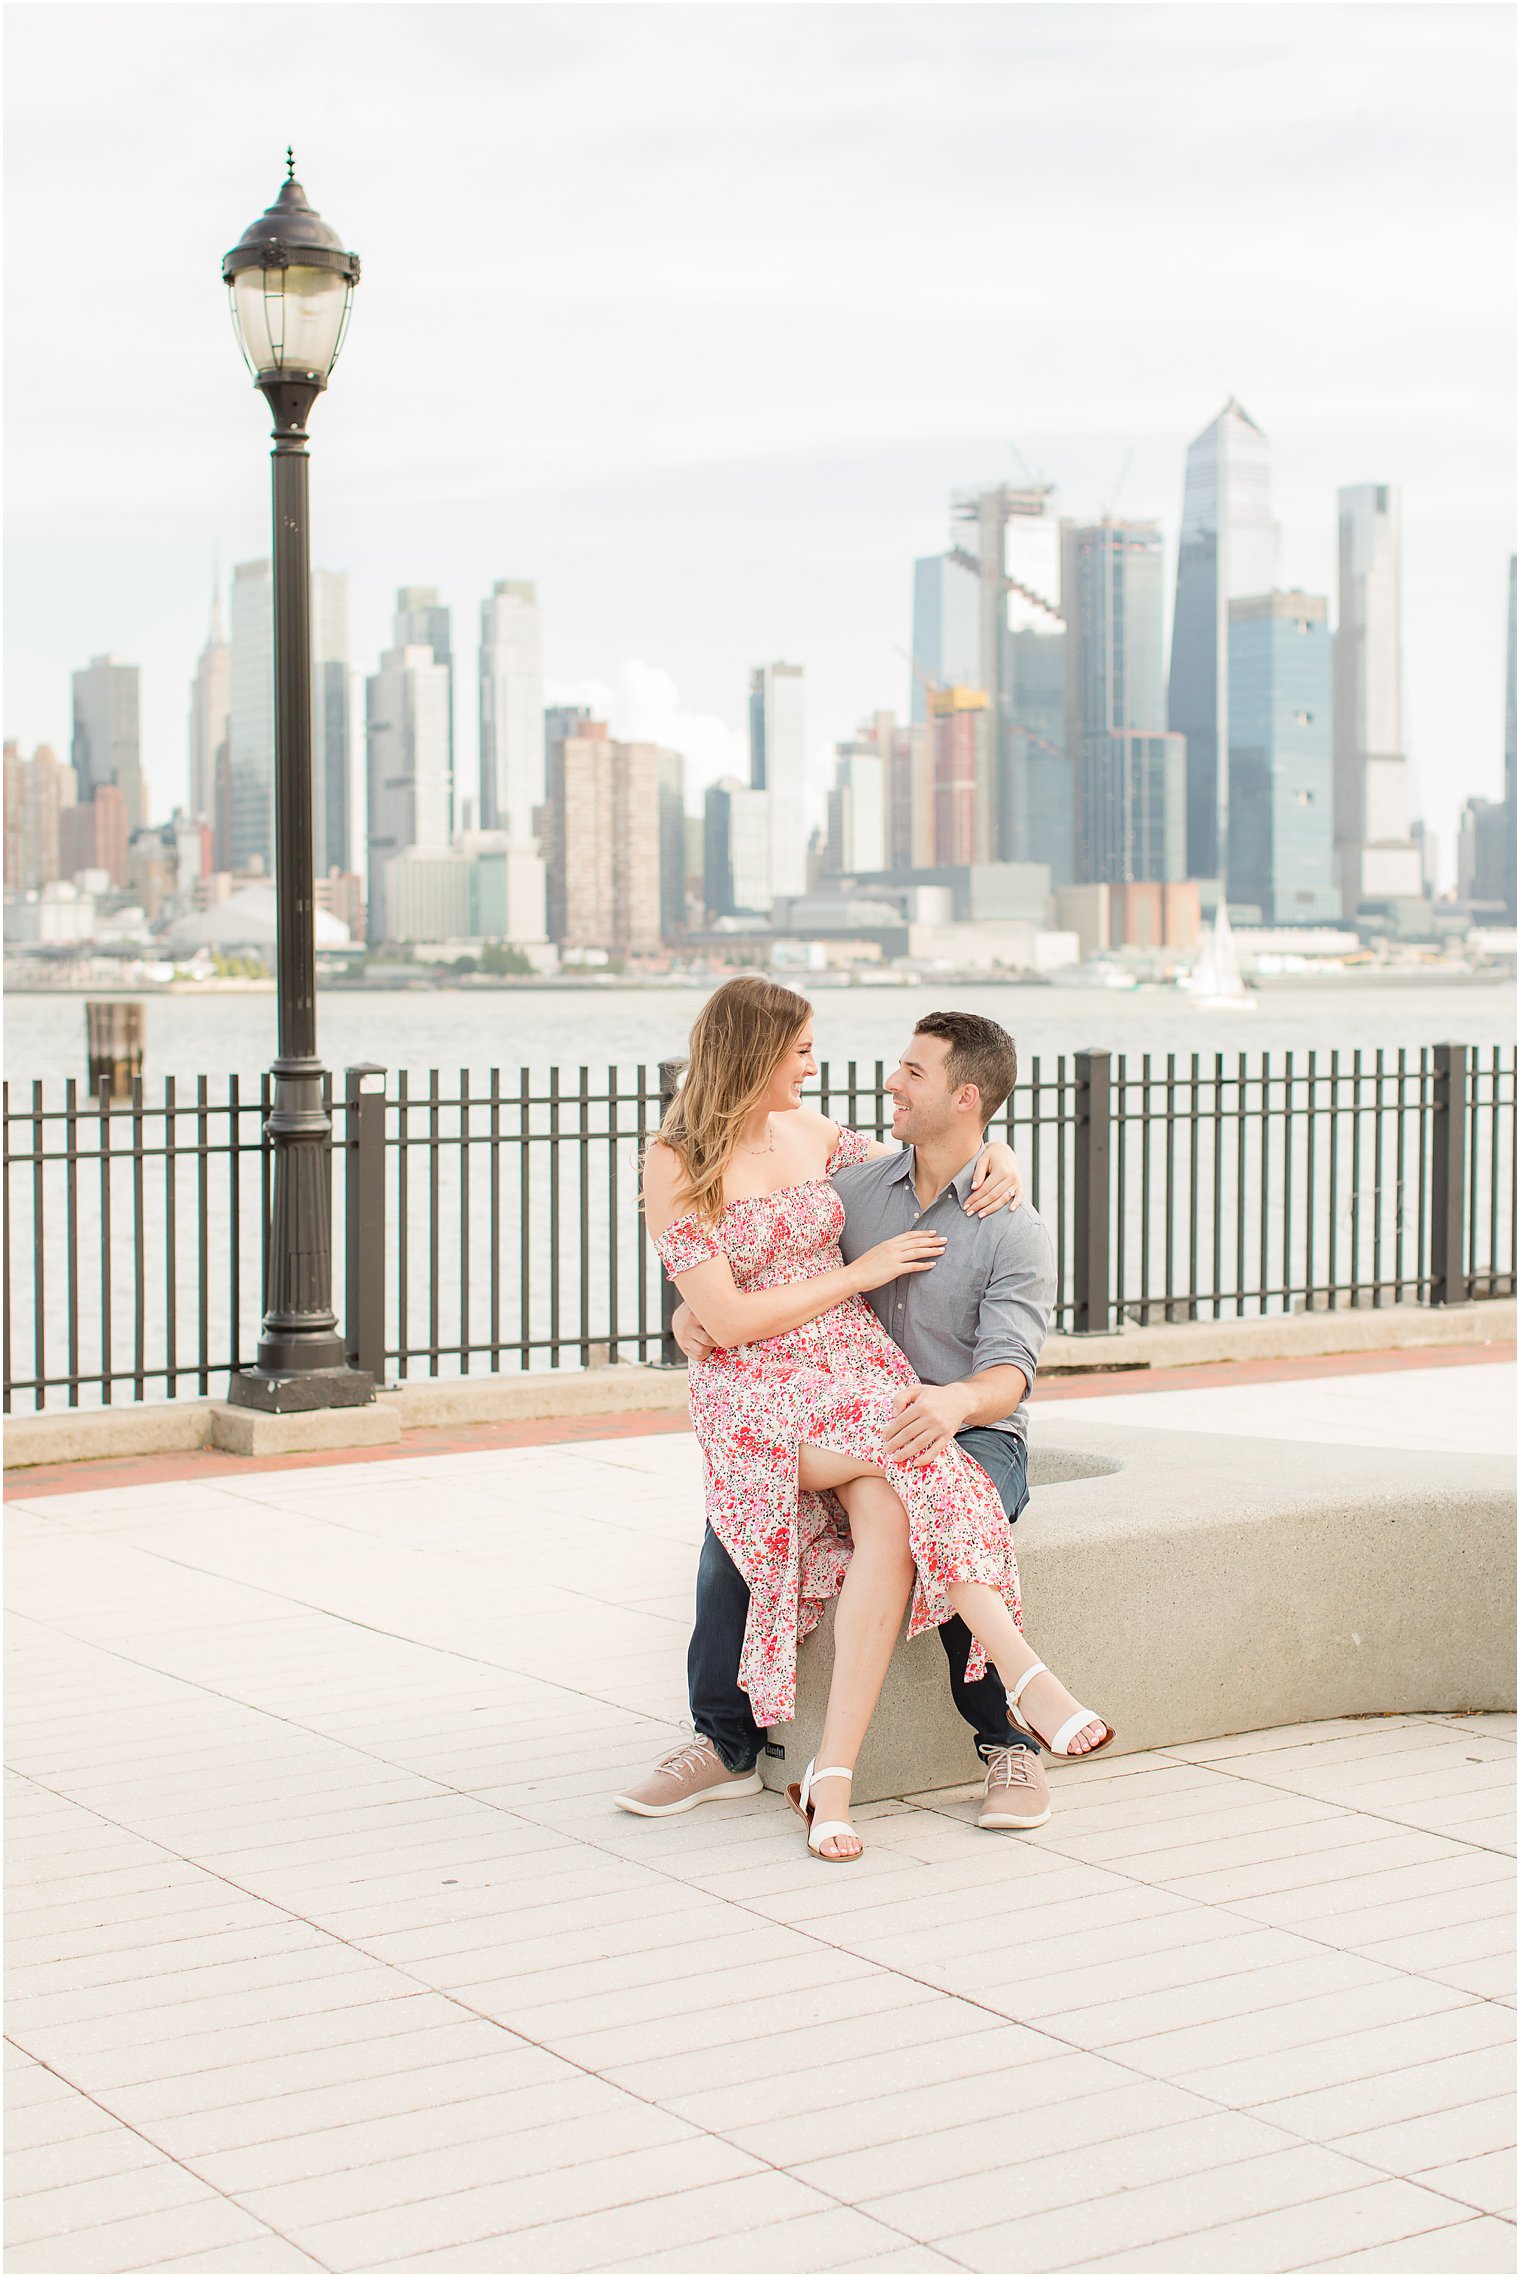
1012 504
935 687
930 687
1112 508
978 568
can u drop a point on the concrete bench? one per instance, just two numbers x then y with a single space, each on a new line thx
1190 1585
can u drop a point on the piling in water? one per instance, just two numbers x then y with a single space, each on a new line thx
114 1038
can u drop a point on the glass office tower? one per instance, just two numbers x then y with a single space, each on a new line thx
513 758
421 618
1377 860
1228 551
778 766
1130 782
1281 838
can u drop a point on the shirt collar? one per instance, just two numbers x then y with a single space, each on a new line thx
960 1184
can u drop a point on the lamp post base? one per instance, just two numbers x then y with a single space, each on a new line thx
277 1394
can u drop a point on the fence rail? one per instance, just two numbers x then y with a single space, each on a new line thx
483 1224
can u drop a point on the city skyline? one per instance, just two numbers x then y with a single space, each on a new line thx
1130 795
776 437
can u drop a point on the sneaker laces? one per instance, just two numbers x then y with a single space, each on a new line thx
1009 1767
691 1755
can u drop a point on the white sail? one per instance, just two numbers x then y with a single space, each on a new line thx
1215 978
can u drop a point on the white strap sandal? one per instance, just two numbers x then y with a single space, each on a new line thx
1060 1743
821 1830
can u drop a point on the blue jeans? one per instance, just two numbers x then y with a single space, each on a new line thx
721 1711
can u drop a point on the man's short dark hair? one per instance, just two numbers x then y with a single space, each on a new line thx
980 1052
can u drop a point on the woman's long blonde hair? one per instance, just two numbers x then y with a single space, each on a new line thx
738 1040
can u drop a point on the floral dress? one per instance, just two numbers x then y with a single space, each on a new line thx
830 1383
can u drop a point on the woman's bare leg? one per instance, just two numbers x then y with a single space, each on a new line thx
877 1584
1046 1703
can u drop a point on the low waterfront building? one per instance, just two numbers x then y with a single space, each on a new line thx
246 920
53 915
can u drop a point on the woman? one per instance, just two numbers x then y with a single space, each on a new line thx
791 1410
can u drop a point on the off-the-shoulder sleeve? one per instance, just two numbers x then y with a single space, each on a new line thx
853 1147
686 1243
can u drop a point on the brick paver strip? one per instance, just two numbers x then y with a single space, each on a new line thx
482 1438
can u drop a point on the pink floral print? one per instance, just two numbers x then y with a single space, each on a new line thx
828 1384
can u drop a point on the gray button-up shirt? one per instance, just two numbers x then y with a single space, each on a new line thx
988 1301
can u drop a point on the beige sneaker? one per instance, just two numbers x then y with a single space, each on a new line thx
690 1774
1016 1792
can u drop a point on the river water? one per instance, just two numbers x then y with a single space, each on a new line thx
453 1028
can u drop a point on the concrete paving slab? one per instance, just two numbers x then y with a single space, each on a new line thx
328 1937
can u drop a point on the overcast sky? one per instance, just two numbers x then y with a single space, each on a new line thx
696 313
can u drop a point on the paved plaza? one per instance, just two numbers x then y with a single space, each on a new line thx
328 1950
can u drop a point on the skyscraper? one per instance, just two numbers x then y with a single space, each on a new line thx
93 834
246 797
947 638
1376 858
910 793
561 720
857 812
250 733
1281 829
1035 818
210 705
1486 857
1016 558
38 792
107 745
1228 552
960 726
422 618
15 788
989 614
778 766
513 781
407 753
604 865
331 736
1130 771
736 850
672 776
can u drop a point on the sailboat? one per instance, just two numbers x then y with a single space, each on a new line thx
1214 982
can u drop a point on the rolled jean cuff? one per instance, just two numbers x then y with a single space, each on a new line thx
732 1756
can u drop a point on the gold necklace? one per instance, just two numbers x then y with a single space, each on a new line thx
768 1148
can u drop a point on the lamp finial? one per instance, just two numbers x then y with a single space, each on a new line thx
290 163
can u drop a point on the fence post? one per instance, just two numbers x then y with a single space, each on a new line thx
671 1355
1448 1177
364 1218
1089 1249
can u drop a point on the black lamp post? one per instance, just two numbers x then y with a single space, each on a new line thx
291 284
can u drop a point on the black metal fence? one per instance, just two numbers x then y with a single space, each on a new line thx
492 1224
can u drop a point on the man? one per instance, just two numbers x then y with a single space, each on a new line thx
972 1327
